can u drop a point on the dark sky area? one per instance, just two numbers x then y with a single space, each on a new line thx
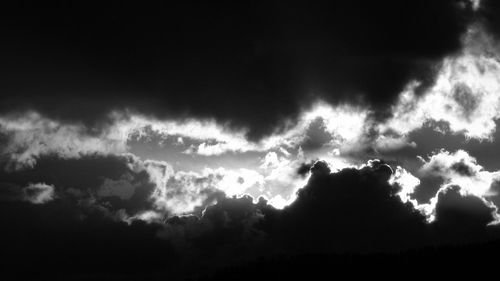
248 140
78 60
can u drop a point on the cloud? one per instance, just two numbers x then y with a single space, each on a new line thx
345 124
463 217
407 184
471 209
184 192
66 135
39 193
354 209
121 188
459 168
33 234
456 172
342 124
329 213
104 183
305 168
32 135
476 4
256 73
465 95
33 138
389 143
281 180
221 233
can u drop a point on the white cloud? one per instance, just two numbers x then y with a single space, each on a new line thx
182 192
466 95
457 169
32 135
39 193
270 160
345 123
215 138
280 178
387 143
407 182
461 169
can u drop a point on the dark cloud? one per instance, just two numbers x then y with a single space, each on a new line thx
352 210
485 152
304 168
465 98
463 169
78 61
489 10
107 179
428 188
52 242
495 192
316 136
462 217
252 65
227 232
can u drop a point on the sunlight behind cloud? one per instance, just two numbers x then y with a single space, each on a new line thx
466 94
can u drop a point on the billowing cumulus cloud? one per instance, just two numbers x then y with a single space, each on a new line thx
456 172
355 209
182 192
459 168
407 184
473 208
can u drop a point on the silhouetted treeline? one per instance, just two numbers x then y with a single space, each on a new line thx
471 261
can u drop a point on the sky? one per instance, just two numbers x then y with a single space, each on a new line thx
183 137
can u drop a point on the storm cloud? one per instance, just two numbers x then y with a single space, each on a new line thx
176 140
194 60
355 209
